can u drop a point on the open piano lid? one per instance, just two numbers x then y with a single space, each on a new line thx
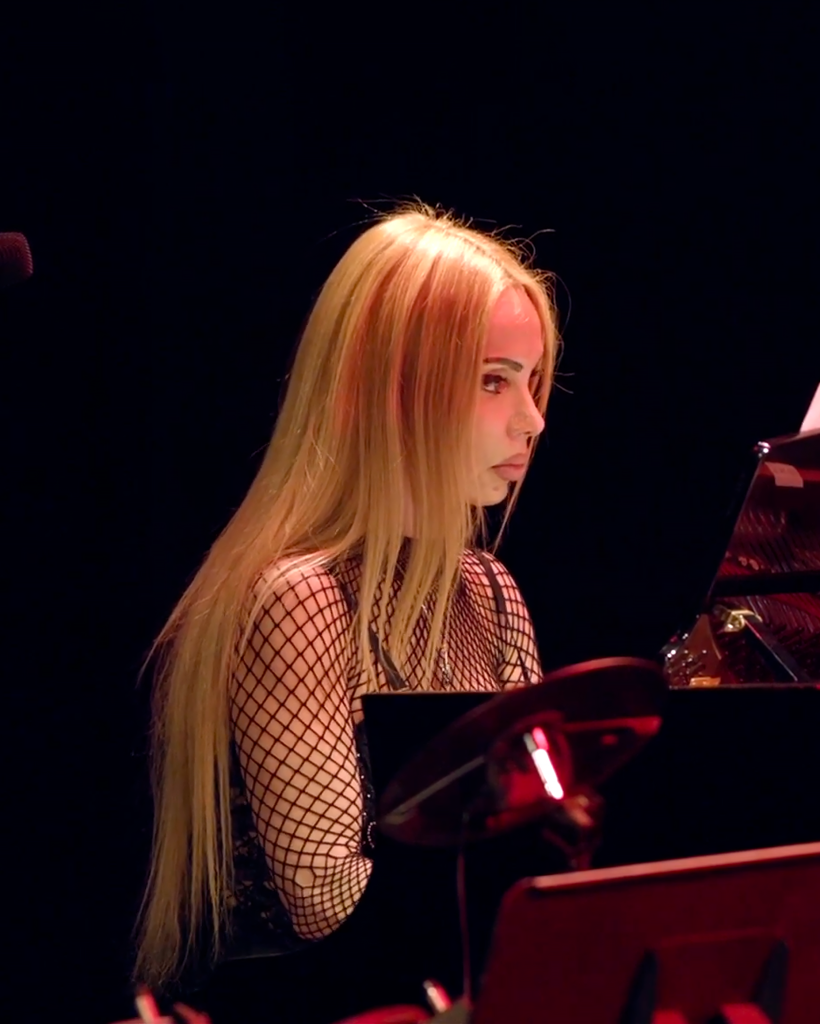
760 622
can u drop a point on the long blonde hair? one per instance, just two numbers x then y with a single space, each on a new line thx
380 404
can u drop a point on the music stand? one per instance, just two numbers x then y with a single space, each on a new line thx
732 938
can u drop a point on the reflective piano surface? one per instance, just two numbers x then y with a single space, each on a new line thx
760 622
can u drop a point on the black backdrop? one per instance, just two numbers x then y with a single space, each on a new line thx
187 178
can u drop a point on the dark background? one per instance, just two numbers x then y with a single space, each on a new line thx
188 177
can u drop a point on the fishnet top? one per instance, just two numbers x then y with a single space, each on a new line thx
301 797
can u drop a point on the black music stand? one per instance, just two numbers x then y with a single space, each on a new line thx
732 938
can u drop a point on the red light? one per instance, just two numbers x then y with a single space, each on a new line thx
538 746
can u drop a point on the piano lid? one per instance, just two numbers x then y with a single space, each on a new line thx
774 543
760 620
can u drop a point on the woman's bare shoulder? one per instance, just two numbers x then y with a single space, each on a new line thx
475 572
306 582
473 567
296 627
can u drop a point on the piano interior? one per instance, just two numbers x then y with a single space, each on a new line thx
760 621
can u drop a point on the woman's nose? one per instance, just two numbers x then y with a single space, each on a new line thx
527 419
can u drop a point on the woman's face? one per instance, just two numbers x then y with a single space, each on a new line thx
507 416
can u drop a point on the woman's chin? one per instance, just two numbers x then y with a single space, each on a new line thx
494 492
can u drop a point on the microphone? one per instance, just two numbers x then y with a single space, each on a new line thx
15 259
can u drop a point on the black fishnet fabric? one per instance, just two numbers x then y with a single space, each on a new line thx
302 801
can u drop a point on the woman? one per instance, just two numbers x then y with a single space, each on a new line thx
417 393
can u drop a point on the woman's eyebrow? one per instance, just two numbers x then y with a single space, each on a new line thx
502 361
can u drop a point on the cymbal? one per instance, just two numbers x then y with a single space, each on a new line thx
475 779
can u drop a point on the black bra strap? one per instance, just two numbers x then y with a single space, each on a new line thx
394 678
500 604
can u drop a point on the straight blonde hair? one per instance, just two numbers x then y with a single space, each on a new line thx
379 407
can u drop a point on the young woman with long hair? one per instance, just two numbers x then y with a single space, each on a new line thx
356 562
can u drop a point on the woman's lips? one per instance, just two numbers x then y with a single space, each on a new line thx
511 470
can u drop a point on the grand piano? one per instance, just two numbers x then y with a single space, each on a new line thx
760 621
737 763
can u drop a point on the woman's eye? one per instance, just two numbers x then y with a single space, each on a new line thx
493 383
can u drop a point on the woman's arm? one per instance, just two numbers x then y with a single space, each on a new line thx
294 734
